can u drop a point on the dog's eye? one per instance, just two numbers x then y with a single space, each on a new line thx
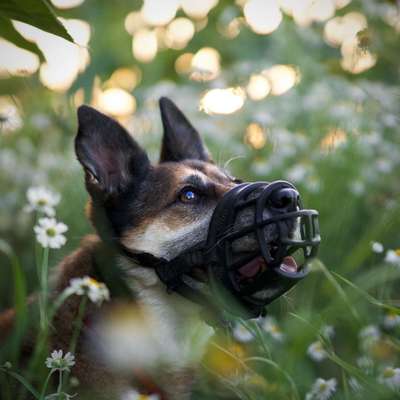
188 195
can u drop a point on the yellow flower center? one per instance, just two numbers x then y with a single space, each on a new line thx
274 329
322 387
388 373
397 251
94 283
42 202
51 232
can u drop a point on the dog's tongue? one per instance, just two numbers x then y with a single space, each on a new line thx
289 264
252 268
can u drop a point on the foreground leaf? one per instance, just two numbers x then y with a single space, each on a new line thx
34 12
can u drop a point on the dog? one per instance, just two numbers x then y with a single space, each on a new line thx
136 207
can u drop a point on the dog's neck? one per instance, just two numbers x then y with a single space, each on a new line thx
176 317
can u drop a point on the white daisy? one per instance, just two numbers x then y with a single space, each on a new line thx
322 389
96 291
377 247
366 364
391 320
42 199
49 233
58 362
391 378
316 351
10 119
135 395
270 326
369 335
393 257
241 333
327 331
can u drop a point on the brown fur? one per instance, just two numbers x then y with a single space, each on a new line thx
127 196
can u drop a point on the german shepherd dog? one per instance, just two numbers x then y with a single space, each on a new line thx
161 210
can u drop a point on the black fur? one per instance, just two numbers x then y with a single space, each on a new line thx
181 141
112 159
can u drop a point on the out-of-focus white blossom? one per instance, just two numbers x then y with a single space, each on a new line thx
316 351
96 291
366 364
391 378
241 333
322 389
327 331
377 247
391 320
42 199
135 395
59 362
368 336
393 257
270 326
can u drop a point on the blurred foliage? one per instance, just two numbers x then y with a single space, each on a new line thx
335 134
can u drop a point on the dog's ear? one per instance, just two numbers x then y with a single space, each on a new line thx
180 141
112 160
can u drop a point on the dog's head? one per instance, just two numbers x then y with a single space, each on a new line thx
164 209
160 209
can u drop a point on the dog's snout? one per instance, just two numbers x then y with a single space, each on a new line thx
286 199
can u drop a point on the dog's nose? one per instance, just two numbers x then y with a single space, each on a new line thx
286 199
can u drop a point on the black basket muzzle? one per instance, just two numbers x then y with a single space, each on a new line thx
257 248
282 239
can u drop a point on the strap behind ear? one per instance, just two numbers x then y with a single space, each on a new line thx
181 140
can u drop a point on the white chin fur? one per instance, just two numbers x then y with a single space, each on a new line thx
161 241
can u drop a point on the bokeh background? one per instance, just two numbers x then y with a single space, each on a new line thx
306 90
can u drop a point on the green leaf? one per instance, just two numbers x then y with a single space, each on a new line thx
23 381
8 32
34 12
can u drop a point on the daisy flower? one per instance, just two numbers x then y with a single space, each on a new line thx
377 247
270 326
327 331
322 389
241 333
135 395
96 291
42 199
58 361
316 351
366 364
49 233
368 336
391 320
10 119
393 257
391 378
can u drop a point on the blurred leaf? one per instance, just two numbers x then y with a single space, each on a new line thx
367 296
8 32
34 12
23 381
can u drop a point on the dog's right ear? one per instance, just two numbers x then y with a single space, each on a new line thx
112 160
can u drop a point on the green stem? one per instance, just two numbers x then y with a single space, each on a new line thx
78 327
46 383
44 289
59 389
78 324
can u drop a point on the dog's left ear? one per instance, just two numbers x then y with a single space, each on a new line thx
111 158
180 141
